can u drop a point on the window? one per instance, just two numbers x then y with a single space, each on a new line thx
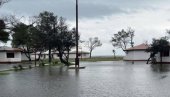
10 55
165 53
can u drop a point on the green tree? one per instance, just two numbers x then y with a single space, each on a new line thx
2 2
4 35
37 42
22 38
64 40
69 43
123 39
93 43
47 25
131 36
56 35
158 46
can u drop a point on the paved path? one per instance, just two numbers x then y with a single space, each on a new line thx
9 66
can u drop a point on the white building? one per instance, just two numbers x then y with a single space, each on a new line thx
10 55
137 53
25 58
44 55
165 57
81 54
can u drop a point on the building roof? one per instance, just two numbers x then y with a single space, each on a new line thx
5 48
138 47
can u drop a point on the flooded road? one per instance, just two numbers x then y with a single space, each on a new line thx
98 79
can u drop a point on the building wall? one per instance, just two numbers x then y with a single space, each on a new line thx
24 57
81 56
3 57
55 56
136 55
164 59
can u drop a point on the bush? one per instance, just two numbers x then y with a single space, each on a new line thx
15 68
29 66
41 63
54 62
20 67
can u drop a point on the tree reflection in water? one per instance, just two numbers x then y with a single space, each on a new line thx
160 67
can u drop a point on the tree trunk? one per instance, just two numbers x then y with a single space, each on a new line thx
29 59
49 55
64 61
61 58
148 60
114 55
27 54
39 56
161 58
67 57
35 59
90 54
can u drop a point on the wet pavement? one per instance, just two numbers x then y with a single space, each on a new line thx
99 79
10 65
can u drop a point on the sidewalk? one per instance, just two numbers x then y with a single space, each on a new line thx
9 66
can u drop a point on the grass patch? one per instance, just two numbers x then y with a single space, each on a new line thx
56 62
3 73
95 59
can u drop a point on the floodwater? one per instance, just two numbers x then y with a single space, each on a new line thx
98 79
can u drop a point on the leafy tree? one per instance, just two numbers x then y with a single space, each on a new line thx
123 39
69 42
56 35
158 46
22 38
64 41
93 43
47 25
131 35
37 42
2 2
4 35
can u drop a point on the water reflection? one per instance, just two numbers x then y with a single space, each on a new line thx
160 67
154 67
98 79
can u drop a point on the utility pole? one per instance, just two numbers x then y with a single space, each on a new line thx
77 37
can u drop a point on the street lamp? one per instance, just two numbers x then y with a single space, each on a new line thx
77 52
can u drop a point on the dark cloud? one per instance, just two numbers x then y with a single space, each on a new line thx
66 8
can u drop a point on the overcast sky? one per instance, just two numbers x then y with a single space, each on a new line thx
103 18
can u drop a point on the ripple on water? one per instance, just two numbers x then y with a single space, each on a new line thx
99 79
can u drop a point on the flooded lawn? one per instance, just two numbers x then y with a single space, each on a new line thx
99 79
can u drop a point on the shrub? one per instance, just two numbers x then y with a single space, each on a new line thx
15 68
20 67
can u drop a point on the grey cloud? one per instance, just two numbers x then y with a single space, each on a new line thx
66 8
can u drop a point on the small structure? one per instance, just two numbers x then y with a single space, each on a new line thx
72 54
24 58
165 57
10 55
81 54
137 53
